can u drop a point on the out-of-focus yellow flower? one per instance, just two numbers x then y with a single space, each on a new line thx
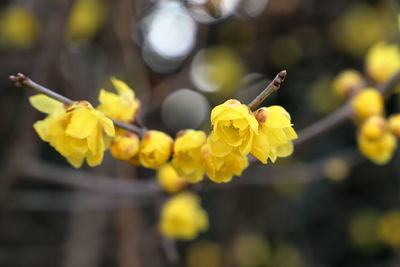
287 255
76 132
19 29
122 106
394 124
336 168
234 127
222 169
187 155
169 180
204 253
86 19
363 229
275 134
347 83
375 141
155 149
251 250
358 28
375 127
382 61
125 146
182 217
389 230
367 103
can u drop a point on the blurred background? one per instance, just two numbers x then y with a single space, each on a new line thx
324 206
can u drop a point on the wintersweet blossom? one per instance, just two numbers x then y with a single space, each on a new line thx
182 217
382 61
234 128
276 134
222 169
187 155
155 149
375 141
388 228
347 82
122 106
125 146
394 124
367 103
77 131
169 179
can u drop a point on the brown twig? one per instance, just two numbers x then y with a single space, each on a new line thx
22 80
273 86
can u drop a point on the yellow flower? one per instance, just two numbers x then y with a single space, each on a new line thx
76 132
347 82
375 141
234 126
86 19
169 180
388 228
18 28
394 124
182 217
125 146
383 61
276 134
155 149
122 106
367 103
222 169
187 155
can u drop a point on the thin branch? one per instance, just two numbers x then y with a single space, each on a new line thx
22 80
273 86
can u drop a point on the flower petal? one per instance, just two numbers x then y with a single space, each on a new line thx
45 104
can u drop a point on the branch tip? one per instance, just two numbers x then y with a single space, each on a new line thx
273 86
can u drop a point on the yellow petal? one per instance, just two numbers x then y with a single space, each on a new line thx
76 161
219 147
44 103
122 88
107 97
82 123
260 148
285 150
96 158
108 126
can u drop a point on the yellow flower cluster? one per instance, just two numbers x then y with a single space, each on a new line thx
376 136
265 134
182 217
79 132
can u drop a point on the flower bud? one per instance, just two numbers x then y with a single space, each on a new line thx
155 149
367 103
125 146
169 180
347 83
373 128
394 124
375 141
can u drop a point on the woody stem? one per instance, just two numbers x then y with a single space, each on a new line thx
273 86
